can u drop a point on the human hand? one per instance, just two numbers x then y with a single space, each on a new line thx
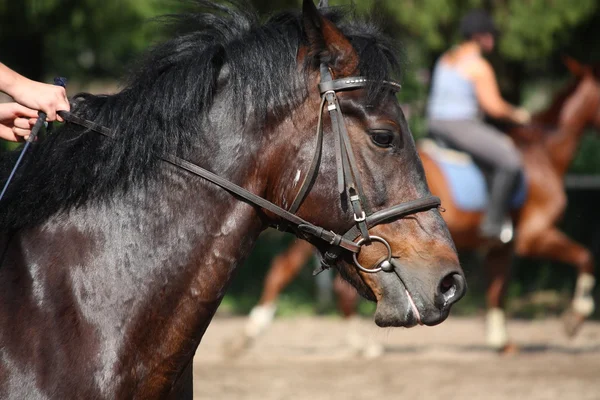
41 96
16 121
521 116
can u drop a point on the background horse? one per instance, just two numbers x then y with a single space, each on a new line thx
548 146
283 269
114 261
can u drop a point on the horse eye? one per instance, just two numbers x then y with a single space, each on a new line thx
382 138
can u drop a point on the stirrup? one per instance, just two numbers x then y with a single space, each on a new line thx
505 234
507 231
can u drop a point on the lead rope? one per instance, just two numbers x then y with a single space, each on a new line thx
41 120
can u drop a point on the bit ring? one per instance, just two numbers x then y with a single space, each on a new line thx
385 265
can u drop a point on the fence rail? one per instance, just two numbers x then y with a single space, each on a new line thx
582 182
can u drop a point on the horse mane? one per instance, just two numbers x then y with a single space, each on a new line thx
550 115
166 99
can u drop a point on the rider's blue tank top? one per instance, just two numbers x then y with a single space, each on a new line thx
452 96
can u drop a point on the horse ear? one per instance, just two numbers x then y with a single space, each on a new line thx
576 68
327 43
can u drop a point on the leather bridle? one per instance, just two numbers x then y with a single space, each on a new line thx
349 184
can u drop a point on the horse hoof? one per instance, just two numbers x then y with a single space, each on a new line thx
372 351
572 322
236 346
508 349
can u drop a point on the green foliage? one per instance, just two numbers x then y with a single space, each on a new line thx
532 29
529 29
586 161
87 38
99 41
79 39
432 22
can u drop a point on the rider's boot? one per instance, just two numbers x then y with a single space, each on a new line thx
496 224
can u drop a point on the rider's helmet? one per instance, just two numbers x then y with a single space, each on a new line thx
477 21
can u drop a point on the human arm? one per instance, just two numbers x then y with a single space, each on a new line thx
489 98
16 121
32 94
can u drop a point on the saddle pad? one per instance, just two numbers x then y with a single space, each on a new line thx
464 178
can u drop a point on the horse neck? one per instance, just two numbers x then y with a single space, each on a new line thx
570 118
562 146
220 238
159 258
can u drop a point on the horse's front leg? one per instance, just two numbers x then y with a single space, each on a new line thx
498 263
184 387
284 268
554 245
361 340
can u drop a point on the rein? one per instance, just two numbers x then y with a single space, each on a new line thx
349 183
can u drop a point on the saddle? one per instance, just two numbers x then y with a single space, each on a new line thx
467 178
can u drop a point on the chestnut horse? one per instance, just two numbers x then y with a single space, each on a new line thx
116 252
548 145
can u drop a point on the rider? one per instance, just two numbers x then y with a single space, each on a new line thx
464 84
17 118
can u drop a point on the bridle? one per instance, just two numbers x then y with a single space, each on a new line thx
348 181
349 184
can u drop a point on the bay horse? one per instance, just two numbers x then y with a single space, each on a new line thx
117 251
548 145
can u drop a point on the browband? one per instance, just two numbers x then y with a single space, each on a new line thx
355 82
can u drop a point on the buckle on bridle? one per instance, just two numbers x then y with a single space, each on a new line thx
360 218
334 239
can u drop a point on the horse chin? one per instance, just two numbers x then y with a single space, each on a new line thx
397 309
395 305
400 303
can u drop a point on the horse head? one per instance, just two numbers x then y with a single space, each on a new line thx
573 109
583 106
423 277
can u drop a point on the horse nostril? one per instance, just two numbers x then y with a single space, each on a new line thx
447 284
451 289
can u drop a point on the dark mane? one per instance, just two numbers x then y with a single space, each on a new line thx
165 102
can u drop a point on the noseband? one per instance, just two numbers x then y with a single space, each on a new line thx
349 185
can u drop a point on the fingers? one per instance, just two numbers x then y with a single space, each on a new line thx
64 104
522 116
49 103
58 101
24 123
43 97
525 117
16 121
7 133
20 111
22 127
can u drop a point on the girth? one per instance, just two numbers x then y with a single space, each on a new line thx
348 182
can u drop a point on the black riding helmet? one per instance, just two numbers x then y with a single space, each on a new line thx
477 21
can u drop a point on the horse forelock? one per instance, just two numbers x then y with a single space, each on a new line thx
166 99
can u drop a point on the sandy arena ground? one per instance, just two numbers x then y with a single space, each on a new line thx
306 358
